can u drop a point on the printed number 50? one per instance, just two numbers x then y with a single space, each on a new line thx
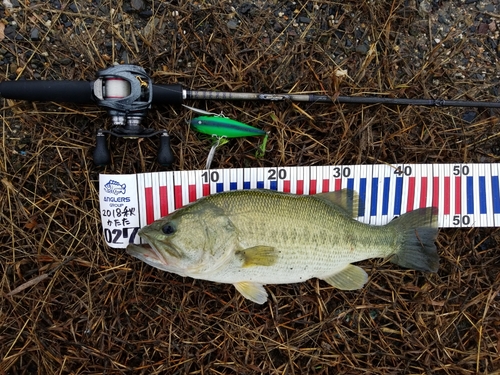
461 220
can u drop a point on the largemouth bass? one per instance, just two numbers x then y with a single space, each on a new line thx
251 238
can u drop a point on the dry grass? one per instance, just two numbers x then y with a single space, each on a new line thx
69 304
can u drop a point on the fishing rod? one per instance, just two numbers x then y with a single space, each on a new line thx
127 92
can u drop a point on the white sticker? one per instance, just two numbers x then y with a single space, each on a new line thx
119 209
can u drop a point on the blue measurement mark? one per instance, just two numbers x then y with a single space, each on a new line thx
482 194
274 185
219 187
233 186
350 183
495 186
385 201
246 184
260 184
470 195
373 209
398 195
362 196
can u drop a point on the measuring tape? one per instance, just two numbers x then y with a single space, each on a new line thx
467 195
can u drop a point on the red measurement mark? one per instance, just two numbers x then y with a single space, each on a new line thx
163 201
446 195
435 191
312 187
150 213
206 189
300 187
458 195
192 193
177 196
326 186
423 193
411 194
338 184
286 186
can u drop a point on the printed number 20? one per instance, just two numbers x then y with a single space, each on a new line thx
274 174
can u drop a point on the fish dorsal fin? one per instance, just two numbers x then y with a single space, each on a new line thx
258 256
253 291
346 199
349 278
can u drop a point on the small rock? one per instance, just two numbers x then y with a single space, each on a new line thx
65 61
278 27
35 34
246 8
442 19
73 8
137 4
232 24
362 49
306 20
469 116
150 27
146 13
483 28
124 57
56 4
424 8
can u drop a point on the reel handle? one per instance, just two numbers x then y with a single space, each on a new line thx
165 154
101 152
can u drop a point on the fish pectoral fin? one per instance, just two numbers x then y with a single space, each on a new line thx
349 278
253 291
258 256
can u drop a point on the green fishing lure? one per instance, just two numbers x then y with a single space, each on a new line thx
224 127
220 128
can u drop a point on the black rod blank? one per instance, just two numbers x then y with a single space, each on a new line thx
313 98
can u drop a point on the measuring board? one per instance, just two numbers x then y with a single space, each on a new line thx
466 195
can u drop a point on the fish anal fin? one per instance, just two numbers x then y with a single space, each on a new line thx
253 291
346 199
349 278
258 256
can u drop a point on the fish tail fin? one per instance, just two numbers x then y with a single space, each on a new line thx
417 250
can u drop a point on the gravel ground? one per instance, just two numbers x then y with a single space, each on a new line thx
86 308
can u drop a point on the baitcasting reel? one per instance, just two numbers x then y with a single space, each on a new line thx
127 93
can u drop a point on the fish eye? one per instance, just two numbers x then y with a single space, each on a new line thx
168 229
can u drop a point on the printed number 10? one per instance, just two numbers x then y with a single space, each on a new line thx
213 176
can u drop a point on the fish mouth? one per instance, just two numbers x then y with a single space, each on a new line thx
148 254
145 250
157 244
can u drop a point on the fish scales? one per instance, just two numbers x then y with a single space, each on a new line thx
255 237
311 236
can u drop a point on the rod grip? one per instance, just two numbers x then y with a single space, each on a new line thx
56 91
167 94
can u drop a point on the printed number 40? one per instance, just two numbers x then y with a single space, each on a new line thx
406 170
